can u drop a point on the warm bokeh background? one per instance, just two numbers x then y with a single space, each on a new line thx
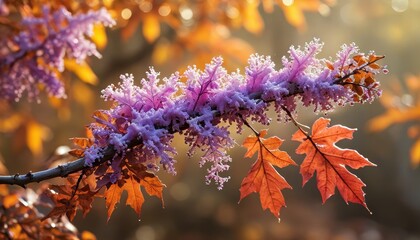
194 210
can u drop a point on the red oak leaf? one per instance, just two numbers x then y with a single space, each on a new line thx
330 161
263 177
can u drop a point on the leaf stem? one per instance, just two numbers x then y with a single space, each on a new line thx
248 125
296 123
76 187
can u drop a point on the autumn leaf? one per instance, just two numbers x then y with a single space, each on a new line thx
394 116
85 199
82 70
4 190
11 123
22 214
294 16
135 198
263 177
415 153
151 27
84 95
112 198
330 161
162 52
61 195
86 235
153 187
402 103
82 142
149 181
131 183
35 134
99 36
252 20
10 200
67 201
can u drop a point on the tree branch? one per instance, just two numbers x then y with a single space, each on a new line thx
79 164
59 171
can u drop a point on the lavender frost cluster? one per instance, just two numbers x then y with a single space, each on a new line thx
206 102
34 58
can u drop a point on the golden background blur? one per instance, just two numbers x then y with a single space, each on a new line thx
194 210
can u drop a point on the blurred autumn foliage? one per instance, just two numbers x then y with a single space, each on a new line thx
402 103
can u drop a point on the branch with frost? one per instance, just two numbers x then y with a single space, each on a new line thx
140 125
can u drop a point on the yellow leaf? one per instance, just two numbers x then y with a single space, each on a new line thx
86 235
15 230
35 134
83 95
135 198
61 106
82 71
153 186
3 171
235 49
268 5
252 18
112 197
10 200
415 153
294 16
413 83
162 52
151 27
4 191
99 36
108 3
10 123
393 116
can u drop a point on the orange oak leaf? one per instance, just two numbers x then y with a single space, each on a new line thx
330 161
153 186
135 198
81 144
60 195
112 196
149 181
67 201
132 182
263 177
